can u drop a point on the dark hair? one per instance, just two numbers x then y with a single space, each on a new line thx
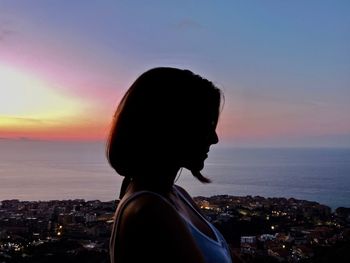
157 116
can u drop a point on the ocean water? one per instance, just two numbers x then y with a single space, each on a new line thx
39 170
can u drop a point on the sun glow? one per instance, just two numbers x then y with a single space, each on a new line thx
23 95
29 103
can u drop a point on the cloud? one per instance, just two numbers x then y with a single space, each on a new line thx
5 31
18 139
14 123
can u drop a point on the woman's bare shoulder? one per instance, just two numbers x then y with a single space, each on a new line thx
149 219
152 216
148 204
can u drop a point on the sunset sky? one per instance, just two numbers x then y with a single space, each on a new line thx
284 66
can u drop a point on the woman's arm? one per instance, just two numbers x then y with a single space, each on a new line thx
151 230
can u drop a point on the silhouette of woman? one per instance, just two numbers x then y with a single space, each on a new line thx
166 121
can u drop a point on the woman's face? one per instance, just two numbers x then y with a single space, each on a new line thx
198 145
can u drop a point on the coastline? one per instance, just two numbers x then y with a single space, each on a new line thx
256 228
243 200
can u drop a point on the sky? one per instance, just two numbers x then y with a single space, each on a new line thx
283 65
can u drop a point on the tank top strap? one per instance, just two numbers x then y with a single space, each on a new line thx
205 220
189 203
213 250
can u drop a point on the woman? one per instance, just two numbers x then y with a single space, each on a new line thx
166 121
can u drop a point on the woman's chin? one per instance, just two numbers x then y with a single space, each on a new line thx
195 166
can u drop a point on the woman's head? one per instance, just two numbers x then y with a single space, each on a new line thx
166 119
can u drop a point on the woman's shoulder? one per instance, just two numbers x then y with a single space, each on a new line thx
148 219
145 203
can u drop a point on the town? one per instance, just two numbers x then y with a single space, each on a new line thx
258 229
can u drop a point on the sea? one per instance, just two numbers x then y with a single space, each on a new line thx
44 170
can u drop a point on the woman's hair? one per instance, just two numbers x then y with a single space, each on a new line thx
159 114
